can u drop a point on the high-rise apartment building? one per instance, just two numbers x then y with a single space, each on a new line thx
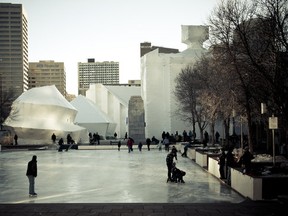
13 49
92 72
45 73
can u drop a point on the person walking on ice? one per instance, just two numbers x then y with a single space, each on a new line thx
31 173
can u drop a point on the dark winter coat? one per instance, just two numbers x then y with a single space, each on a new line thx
169 158
32 167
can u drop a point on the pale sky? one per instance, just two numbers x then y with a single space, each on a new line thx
72 31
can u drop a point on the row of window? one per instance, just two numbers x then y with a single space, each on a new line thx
2 31
10 22
10 36
9 41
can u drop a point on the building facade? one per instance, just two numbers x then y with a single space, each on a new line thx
13 49
45 73
158 73
92 72
113 100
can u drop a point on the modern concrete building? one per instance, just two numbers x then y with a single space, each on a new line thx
13 49
46 73
92 72
158 73
113 100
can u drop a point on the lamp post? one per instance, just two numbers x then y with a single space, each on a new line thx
241 131
273 124
233 119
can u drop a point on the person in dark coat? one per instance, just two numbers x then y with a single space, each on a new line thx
31 173
230 162
217 135
60 143
130 143
97 137
169 163
148 143
177 174
16 139
222 163
245 160
53 137
119 145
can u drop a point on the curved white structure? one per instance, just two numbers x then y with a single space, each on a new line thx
92 118
39 112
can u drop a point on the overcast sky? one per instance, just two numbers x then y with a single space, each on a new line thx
72 31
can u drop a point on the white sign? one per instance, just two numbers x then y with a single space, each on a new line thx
273 123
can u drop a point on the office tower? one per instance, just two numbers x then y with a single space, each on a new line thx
44 73
13 49
92 72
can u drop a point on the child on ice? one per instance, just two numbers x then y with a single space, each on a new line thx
177 174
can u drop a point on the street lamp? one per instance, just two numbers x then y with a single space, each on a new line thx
233 119
273 124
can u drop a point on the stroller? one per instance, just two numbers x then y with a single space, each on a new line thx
177 174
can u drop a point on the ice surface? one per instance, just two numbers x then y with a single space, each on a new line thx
107 176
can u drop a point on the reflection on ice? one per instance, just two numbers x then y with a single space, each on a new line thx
99 176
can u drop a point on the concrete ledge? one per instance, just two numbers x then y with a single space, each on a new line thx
246 185
213 167
201 159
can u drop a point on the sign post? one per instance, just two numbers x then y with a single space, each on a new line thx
273 124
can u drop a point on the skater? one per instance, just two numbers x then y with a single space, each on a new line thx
140 146
60 143
169 163
148 143
130 143
177 174
16 139
97 138
166 143
53 137
32 174
184 154
119 145
175 152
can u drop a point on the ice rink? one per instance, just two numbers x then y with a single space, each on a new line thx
107 176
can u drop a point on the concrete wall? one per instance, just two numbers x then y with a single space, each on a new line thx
136 124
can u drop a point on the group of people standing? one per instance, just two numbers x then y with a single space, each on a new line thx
94 139
227 160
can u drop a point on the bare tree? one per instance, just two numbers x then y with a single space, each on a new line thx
6 100
245 43
187 91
